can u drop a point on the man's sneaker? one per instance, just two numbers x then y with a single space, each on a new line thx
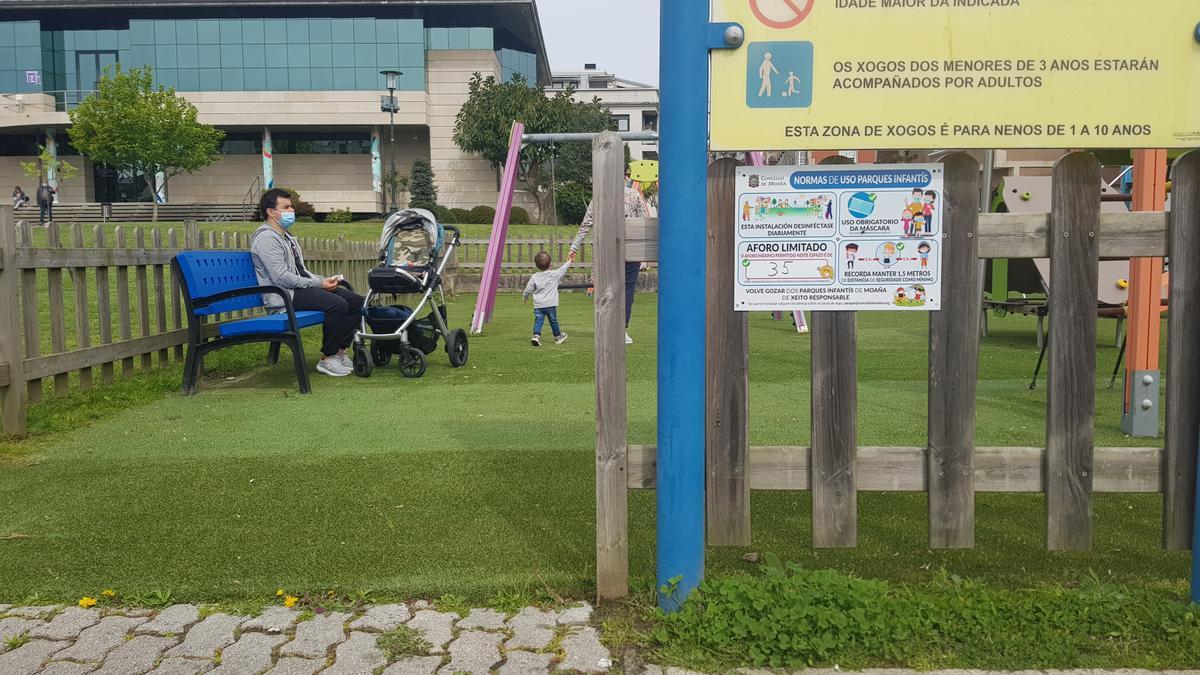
332 367
344 359
628 340
562 337
536 340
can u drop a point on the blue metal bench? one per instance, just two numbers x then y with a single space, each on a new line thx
214 282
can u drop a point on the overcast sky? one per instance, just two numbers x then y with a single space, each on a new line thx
619 36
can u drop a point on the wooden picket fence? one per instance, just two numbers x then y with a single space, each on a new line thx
74 279
950 468
519 254
109 301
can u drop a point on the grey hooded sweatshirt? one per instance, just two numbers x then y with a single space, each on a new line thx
275 264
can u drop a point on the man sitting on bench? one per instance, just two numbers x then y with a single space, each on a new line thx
279 262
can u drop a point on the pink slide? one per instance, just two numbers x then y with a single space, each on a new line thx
486 301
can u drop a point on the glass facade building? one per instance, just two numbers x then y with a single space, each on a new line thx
291 54
295 86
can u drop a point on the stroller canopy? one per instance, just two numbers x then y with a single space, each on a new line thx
411 237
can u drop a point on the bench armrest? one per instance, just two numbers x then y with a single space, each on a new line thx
252 290
200 303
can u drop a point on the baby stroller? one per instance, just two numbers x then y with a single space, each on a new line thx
412 255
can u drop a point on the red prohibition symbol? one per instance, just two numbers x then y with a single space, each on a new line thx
781 14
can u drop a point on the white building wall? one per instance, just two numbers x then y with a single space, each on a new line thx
464 181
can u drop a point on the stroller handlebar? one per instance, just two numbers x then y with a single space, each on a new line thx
457 232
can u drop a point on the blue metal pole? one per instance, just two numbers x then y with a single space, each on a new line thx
683 81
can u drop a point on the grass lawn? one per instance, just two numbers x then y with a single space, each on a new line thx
480 480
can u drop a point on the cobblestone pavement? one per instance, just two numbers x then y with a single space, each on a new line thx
187 639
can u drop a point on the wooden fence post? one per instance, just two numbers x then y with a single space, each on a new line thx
1071 379
343 249
1183 360
30 301
12 371
834 424
612 489
191 235
103 305
954 363
54 289
79 283
727 493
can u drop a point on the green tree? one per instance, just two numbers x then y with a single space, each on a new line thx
129 124
48 165
394 186
484 125
424 190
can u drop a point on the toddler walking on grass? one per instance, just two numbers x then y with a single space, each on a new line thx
543 286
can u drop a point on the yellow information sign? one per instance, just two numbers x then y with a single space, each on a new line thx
829 74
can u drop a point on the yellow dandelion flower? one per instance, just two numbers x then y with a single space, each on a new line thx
290 601
279 593
108 593
86 601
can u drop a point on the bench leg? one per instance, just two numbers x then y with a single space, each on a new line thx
273 353
301 367
191 370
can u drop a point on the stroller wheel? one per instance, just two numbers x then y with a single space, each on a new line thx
362 362
412 362
379 356
456 347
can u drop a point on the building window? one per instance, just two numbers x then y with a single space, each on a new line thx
321 144
620 122
27 146
650 121
241 144
298 144
90 67
18 146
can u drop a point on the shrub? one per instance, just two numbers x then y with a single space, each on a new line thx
422 186
791 617
443 215
519 216
571 200
460 216
340 216
482 215
303 208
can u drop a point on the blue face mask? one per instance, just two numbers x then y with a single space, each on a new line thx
286 219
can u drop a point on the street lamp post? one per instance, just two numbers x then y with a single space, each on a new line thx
390 106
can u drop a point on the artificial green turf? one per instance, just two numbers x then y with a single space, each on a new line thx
481 479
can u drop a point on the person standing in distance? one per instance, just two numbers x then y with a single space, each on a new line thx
635 207
45 201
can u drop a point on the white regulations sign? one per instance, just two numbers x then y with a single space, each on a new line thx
839 237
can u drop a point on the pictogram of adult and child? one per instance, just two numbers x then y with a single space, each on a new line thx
917 216
779 75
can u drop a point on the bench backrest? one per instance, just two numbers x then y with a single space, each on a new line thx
207 273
